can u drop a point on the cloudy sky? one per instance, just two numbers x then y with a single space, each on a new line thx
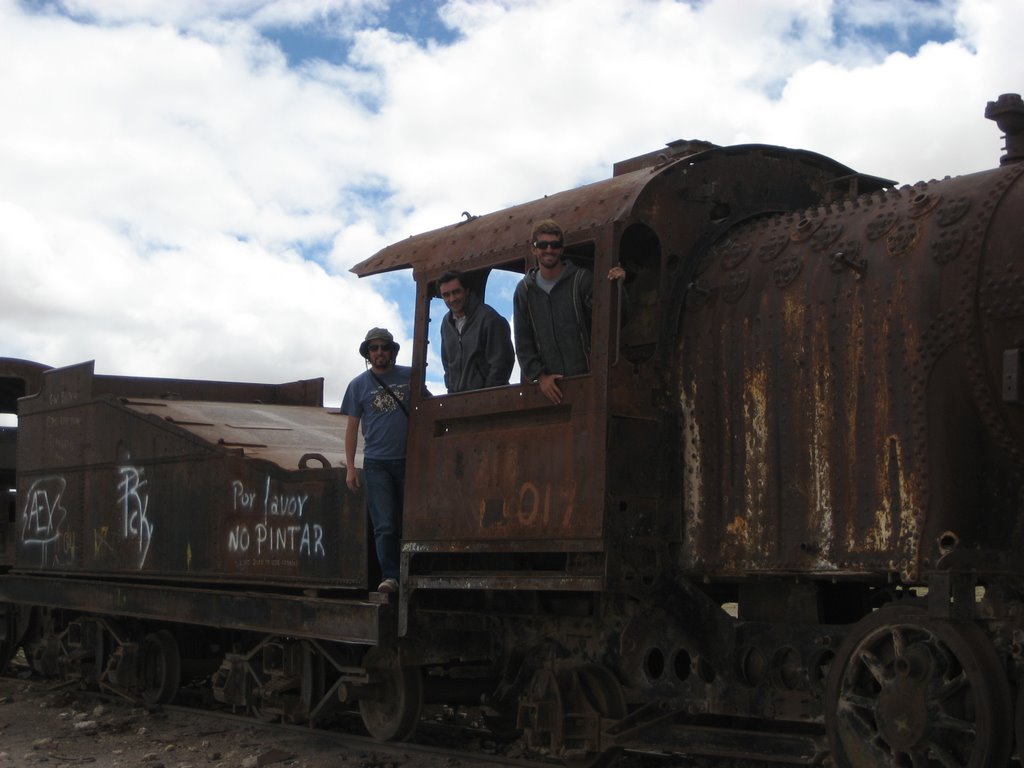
185 184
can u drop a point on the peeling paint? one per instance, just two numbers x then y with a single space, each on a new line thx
757 459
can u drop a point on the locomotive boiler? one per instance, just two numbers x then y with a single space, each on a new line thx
777 522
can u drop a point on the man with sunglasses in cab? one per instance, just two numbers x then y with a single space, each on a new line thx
552 312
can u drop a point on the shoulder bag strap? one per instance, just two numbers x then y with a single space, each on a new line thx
387 389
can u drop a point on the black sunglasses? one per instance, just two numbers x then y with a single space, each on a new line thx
543 245
378 347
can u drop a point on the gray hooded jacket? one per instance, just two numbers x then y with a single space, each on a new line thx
553 329
482 355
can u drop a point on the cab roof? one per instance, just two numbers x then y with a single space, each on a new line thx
501 237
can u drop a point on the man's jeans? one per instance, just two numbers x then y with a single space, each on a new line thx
385 489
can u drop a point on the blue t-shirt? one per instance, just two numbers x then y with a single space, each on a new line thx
384 425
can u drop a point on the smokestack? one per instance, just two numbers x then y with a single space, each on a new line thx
1008 113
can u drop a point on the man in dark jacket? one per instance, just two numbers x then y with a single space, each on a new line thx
552 312
476 343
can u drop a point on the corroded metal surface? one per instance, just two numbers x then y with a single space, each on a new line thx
289 437
512 472
226 491
498 464
365 622
503 236
832 379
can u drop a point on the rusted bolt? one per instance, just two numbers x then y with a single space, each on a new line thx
948 541
699 289
859 266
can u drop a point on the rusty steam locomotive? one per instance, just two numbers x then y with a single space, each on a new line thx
779 521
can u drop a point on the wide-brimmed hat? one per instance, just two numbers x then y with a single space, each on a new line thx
378 333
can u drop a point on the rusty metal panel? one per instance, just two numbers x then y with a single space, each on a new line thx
290 437
367 622
502 236
1001 314
303 392
503 469
506 465
827 374
80 381
184 490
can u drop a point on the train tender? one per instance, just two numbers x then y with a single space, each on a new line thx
778 522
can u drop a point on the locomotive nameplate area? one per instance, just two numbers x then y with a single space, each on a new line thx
497 466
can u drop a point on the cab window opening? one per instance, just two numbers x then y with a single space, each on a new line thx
640 255
10 391
493 286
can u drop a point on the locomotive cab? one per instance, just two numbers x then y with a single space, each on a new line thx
525 474
506 492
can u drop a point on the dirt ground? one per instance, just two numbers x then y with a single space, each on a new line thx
41 725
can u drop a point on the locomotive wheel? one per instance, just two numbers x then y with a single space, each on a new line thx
9 644
554 703
311 690
295 703
394 713
599 688
910 690
8 635
17 621
541 713
161 668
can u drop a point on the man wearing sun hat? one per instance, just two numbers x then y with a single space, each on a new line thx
377 400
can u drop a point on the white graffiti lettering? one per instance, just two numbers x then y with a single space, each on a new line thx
317 544
273 504
43 520
307 539
271 535
241 498
134 504
239 539
290 504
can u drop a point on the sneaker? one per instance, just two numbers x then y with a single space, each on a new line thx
388 586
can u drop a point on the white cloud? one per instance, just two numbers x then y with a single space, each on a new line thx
159 183
166 169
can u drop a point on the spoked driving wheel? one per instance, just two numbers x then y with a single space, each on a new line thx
910 691
601 691
394 712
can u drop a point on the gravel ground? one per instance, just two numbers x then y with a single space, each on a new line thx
43 725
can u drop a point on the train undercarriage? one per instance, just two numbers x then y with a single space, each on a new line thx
914 682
